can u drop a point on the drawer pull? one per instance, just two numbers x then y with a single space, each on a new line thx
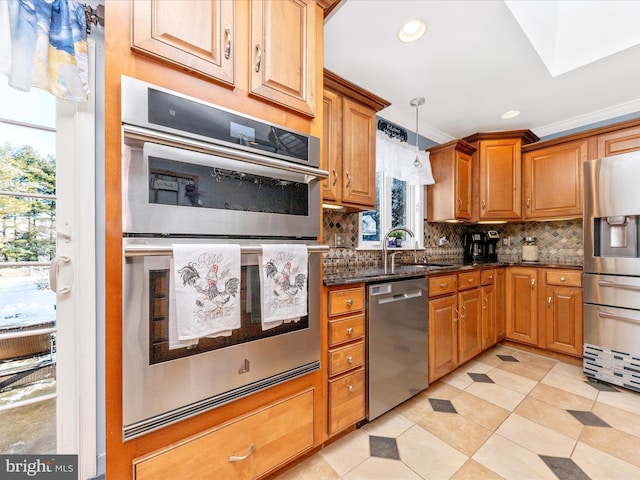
350 388
350 331
470 280
234 458
549 302
350 359
562 279
444 285
349 302
227 49
490 277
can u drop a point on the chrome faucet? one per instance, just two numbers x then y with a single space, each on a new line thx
385 242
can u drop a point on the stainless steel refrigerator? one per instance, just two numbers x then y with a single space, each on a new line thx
611 351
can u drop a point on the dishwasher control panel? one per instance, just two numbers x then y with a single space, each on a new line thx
380 289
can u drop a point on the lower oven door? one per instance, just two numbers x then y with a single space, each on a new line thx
163 385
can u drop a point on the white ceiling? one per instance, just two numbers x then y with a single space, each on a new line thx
475 62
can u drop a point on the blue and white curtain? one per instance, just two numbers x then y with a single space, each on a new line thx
43 44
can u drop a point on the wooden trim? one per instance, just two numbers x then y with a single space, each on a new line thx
459 145
329 6
561 357
339 85
581 135
527 136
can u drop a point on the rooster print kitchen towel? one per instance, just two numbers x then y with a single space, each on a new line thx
283 283
207 289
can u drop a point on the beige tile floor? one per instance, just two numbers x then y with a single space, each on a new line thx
534 418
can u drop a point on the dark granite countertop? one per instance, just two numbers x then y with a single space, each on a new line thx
347 275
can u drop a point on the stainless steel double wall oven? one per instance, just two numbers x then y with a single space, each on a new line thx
193 172
612 269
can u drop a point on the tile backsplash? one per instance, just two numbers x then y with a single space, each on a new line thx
558 242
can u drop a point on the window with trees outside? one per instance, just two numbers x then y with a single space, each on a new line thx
397 204
27 245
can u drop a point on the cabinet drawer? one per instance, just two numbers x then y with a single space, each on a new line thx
346 401
468 280
346 358
346 301
442 285
345 329
563 277
271 435
487 277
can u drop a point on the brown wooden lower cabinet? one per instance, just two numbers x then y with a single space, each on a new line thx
346 400
443 336
501 305
522 312
561 307
548 315
248 447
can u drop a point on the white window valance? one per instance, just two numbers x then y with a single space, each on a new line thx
396 159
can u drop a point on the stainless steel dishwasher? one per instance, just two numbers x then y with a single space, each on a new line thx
397 343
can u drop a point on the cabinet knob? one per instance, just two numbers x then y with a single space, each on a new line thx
350 388
443 285
562 279
470 280
350 331
349 359
349 302
490 277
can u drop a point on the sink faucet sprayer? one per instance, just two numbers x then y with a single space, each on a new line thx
385 242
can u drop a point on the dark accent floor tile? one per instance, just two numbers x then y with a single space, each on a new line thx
589 419
442 406
480 377
507 358
603 387
564 468
384 447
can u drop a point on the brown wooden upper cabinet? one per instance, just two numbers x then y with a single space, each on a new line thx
498 174
203 36
622 141
200 38
349 143
450 197
553 181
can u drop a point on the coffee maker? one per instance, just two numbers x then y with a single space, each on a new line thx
474 245
481 246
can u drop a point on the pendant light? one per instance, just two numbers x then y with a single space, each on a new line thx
417 103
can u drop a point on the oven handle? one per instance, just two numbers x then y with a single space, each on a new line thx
167 251
608 283
146 135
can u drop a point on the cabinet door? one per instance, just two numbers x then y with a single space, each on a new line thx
622 141
522 311
246 448
469 324
488 316
358 154
500 285
443 336
195 36
463 197
500 178
283 43
553 181
331 159
563 319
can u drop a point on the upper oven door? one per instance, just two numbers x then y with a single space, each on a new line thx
172 185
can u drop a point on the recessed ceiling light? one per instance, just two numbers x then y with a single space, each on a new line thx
510 114
412 31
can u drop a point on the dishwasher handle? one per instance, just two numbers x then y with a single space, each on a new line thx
399 297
